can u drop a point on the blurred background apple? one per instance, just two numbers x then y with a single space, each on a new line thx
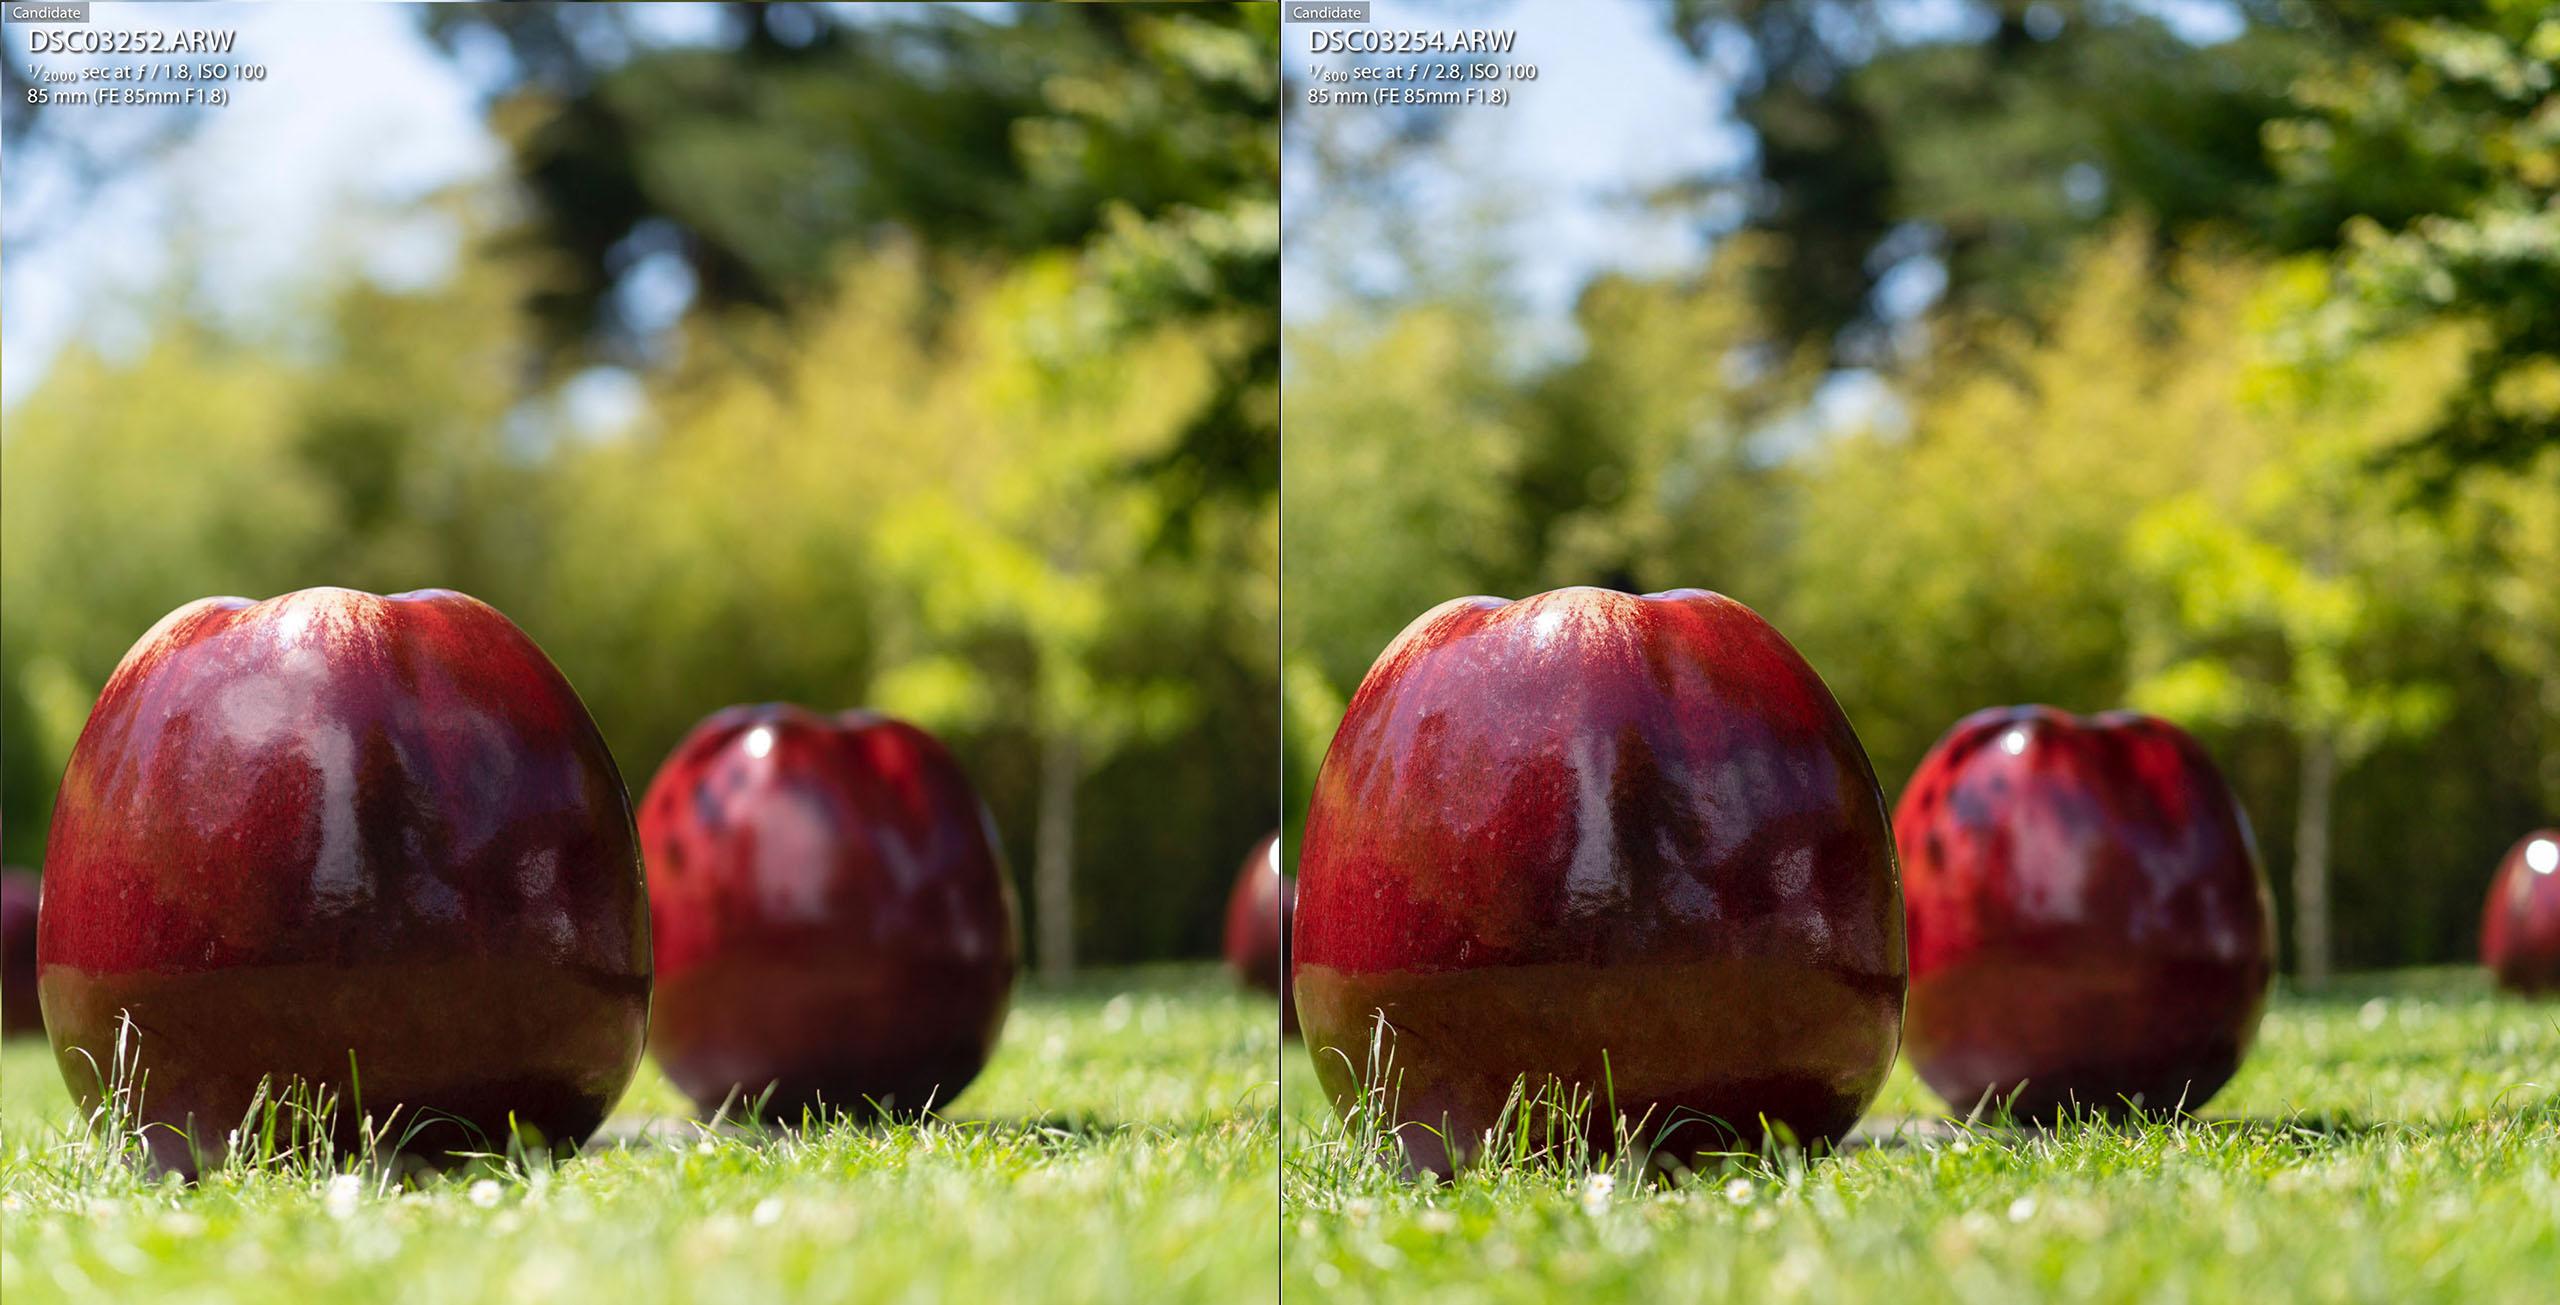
834 926
1258 915
20 1013
2089 926
2520 926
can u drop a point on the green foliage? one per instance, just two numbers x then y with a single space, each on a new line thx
1994 137
1140 136
938 521
916 498
1396 492
2291 614
2440 129
207 464
2128 503
2417 147
1974 559
972 417
2522 618
1660 440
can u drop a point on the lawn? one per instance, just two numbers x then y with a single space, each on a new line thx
2393 1139
1120 1148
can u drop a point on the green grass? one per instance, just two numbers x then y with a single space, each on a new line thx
2394 1139
1121 1147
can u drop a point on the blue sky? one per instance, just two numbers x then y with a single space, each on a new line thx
319 168
1617 110
322 166
359 115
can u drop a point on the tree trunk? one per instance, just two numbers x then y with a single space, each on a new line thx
1053 858
2311 860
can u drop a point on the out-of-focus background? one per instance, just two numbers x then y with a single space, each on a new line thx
920 357
2201 356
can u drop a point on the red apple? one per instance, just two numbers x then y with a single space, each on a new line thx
833 918
1258 913
2089 925
1629 845
2520 928
19 1010
334 827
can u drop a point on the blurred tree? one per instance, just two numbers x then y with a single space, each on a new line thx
1986 138
92 553
2438 131
2294 598
1142 136
2148 502
932 521
2026 525
1041 545
1975 558
1409 503
2521 514
1399 498
2420 143
363 455
1653 458
1140 140
1027 496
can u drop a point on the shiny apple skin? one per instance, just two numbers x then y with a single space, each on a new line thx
1258 912
20 1013
834 921
335 824
1586 824
2520 926
2090 928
